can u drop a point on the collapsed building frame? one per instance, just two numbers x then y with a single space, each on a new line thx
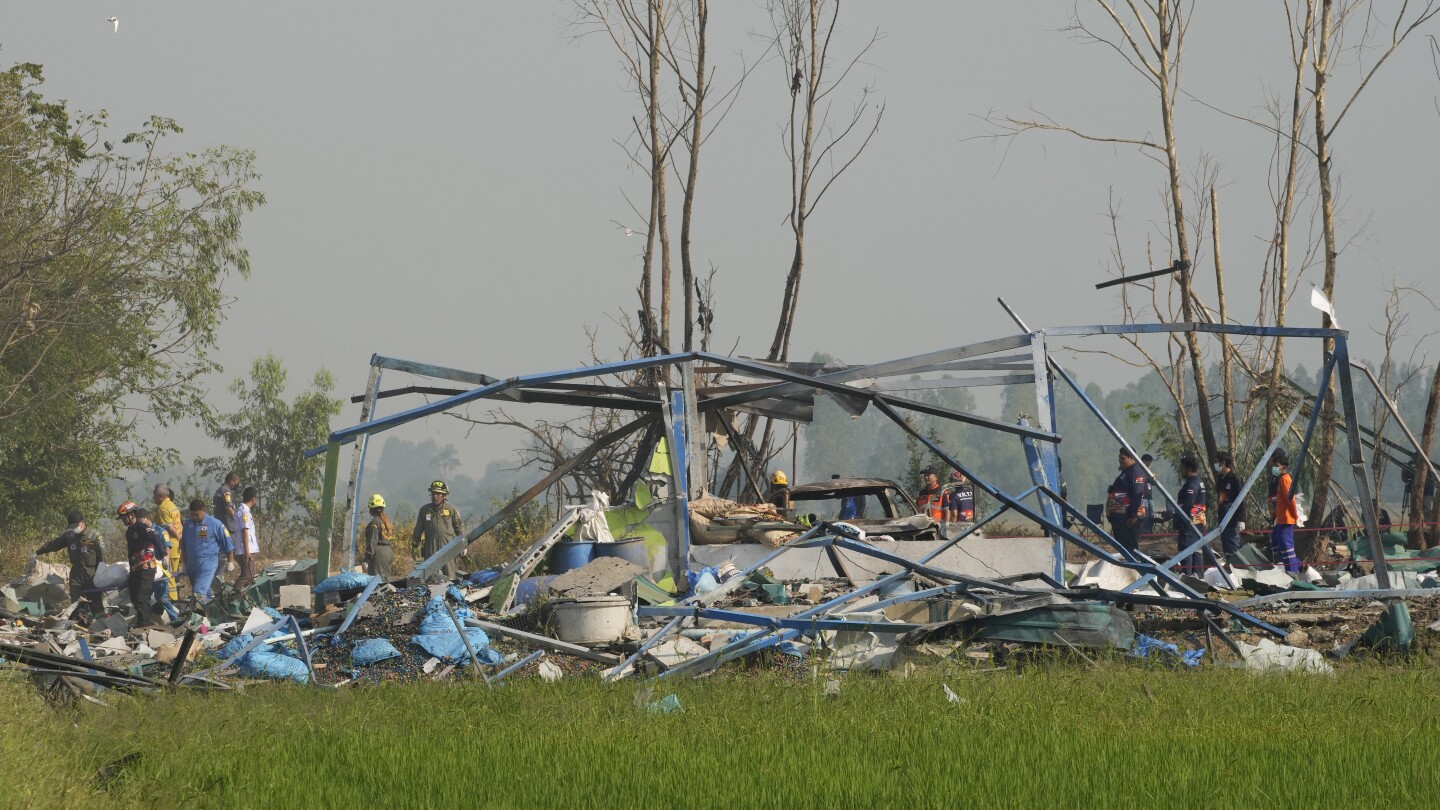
787 391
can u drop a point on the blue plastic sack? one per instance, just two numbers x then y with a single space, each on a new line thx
1144 645
439 638
451 648
437 618
694 577
343 581
665 705
233 647
373 650
264 664
484 577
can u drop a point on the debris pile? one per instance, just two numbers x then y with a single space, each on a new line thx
611 618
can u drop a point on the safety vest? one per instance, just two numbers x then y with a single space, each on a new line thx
932 503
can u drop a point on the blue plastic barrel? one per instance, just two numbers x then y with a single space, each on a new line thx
530 587
569 555
631 549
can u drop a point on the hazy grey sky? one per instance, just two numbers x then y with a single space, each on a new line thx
441 176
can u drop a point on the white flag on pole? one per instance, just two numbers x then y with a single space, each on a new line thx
1320 302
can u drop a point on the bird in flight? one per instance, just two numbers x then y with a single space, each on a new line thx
628 231
114 21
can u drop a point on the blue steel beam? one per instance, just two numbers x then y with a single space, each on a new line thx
1357 461
431 370
821 384
349 434
775 623
889 368
1315 411
921 568
1207 328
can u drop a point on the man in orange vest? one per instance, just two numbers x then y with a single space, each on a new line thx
931 500
1282 503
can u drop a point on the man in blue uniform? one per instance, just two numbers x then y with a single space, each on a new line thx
962 498
1227 500
1125 501
1189 519
86 552
202 542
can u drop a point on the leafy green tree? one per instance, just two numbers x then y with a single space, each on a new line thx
113 255
266 438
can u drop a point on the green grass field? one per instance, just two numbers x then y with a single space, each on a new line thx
1120 736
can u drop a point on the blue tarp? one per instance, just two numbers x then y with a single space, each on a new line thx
372 650
343 581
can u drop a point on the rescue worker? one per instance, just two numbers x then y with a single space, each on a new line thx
437 523
226 508
1125 501
931 499
379 556
962 498
167 518
86 551
779 493
1227 500
164 585
1189 519
1147 520
143 549
852 507
1282 505
202 540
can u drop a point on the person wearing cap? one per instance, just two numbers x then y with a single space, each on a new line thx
931 500
143 548
379 555
86 551
437 524
1282 505
203 540
961 498
1125 501
167 518
1227 499
779 492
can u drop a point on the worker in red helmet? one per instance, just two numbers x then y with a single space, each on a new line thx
144 549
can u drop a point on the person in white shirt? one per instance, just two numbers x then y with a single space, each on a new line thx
247 545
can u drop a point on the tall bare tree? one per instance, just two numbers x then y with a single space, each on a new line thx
817 145
1337 19
1149 35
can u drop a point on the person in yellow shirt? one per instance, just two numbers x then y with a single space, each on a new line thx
167 517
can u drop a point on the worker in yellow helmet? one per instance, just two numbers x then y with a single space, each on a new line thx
779 493
379 556
438 522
